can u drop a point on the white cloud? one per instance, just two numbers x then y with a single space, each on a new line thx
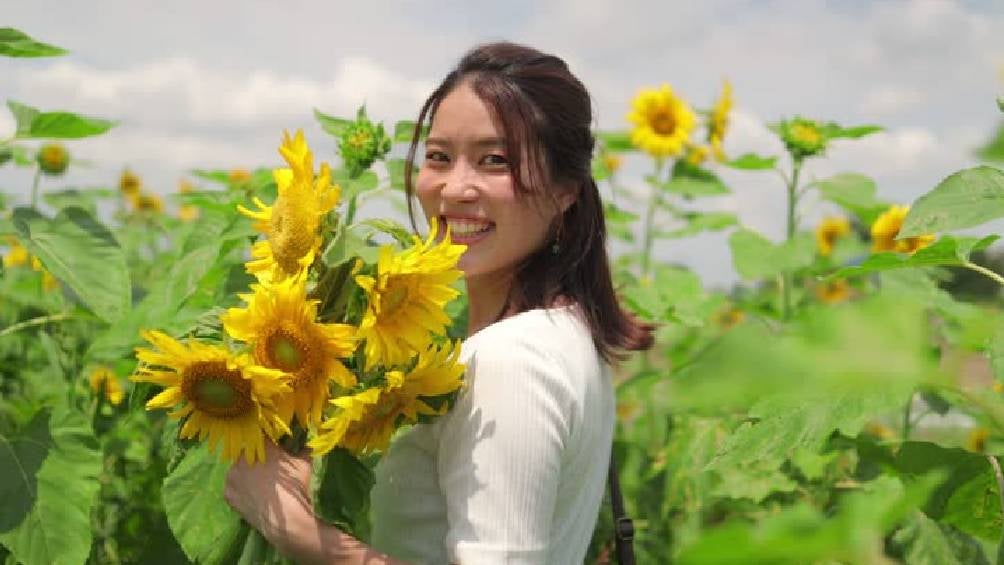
886 100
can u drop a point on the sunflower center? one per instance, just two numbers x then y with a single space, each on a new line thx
663 122
217 390
393 299
286 350
292 232
805 134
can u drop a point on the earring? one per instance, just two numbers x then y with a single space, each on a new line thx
556 244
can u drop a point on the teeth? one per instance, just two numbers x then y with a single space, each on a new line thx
467 227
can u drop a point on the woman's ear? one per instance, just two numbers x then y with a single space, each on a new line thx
567 195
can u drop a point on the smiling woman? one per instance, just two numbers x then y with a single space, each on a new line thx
515 472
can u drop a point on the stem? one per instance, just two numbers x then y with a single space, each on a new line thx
981 269
1000 491
906 418
34 187
787 281
648 236
35 322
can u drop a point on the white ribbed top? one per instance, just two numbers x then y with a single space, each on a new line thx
516 471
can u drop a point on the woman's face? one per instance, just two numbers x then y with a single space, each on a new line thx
465 181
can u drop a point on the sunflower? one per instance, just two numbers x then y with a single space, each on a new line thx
406 298
225 398
279 326
802 137
145 202
129 183
886 228
292 221
662 120
612 162
718 121
49 282
829 231
366 421
17 255
698 154
238 176
103 381
53 159
833 292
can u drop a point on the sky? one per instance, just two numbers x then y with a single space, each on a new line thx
213 84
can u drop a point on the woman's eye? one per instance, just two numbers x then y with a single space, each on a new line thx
437 156
495 160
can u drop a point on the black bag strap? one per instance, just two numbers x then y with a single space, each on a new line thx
623 526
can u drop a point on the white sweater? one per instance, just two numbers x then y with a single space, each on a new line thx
515 473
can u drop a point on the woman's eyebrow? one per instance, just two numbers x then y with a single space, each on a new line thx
492 141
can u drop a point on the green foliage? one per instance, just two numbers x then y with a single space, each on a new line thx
35 124
965 199
14 43
690 180
855 193
340 489
51 469
615 141
752 162
755 257
948 250
83 254
994 149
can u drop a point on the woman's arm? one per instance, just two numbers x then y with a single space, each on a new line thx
274 498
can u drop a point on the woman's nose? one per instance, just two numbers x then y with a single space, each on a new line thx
460 183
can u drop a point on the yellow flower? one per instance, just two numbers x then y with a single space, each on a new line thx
879 430
802 137
729 317
53 159
293 220
829 231
239 176
833 292
718 121
366 421
49 282
148 203
104 382
697 154
279 325
406 298
662 120
977 439
188 212
17 255
185 187
612 162
129 183
886 228
226 399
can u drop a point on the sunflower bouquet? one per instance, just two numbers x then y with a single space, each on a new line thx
338 343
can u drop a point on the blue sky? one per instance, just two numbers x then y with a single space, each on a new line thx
212 84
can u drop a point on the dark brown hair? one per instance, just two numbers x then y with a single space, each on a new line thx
545 114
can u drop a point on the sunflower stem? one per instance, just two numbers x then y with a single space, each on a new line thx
985 271
648 230
788 278
34 187
906 418
35 322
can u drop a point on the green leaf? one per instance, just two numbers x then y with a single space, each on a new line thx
395 169
80 252
690 180
1000 103
616 141
834 131
618 215
354 186
32 123
756 257
347 245
405 129
855 193
50 483
930 543
752 162
392 228
752 483
698 222
207 529
947 251
14 43
341 487
332 125
965 199
994 149
87 199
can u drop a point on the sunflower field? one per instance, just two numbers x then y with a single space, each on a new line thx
843 403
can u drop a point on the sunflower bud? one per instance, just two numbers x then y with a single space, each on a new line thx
802 137
362 143
129 183
53 159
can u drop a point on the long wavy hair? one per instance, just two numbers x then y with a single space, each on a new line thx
546 116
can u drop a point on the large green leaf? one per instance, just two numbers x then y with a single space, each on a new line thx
14 43
80 252
855 193
86 198
994 149
698 222
50 481
929 543
405 130
756 257
690 180
346 245
965 199
206 527
331 124
947 251
615 141
354 186
752 162
340 487
32 123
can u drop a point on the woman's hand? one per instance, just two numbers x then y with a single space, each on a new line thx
273 496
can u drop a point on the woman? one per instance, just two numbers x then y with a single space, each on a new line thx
515 472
